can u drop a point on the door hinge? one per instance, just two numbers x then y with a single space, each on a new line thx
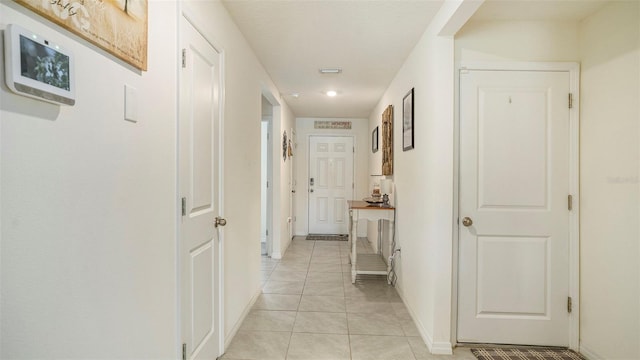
267 232
353 185
354 149
569 305
570 202
184 206
184 351
267 184
570 101
184 58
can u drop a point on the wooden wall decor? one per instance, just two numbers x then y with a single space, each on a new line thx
387 141
117 26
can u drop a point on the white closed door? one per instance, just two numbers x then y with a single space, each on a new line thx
330 183
199 187
514 216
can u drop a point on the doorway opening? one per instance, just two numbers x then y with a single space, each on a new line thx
266 175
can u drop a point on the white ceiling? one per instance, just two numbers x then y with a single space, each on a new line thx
549 10
369 40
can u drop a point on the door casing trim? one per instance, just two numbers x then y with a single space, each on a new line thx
573 69
353 154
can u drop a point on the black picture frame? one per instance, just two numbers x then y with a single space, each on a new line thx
374 140
407 122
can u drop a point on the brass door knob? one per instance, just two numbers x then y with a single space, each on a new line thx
466 221
220 221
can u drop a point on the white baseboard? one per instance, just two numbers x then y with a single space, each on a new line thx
276 255
229 337
589 354
436 348
441 348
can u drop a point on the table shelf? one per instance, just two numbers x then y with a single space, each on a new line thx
368 264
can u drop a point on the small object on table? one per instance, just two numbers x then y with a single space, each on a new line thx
386 187
373 200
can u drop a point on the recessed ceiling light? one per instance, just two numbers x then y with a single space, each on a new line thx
330 71
331 93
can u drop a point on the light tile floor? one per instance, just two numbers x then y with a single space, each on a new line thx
309 310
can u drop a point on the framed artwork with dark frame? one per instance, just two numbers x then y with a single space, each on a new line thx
407 121
374 140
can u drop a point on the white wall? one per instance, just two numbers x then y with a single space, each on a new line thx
423 179
606 44
424 176
88 207
281 180
517 41
304 128
610 189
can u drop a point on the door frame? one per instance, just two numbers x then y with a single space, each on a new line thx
292 185
353 170
274 209
574 183
191 17
268 205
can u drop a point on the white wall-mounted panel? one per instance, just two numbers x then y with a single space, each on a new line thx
610 182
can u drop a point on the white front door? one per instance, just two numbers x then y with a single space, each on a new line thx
330 183
199 189
514 216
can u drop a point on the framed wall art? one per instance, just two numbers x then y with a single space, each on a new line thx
284 146
374 140
387 141
117 26
407 121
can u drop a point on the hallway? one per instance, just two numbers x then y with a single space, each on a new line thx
310 310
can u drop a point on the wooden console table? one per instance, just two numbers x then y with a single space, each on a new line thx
371 264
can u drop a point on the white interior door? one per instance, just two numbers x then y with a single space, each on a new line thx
514 187
198 161
330 183
265 190
292 185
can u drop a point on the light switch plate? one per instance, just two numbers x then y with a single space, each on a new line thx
130 103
